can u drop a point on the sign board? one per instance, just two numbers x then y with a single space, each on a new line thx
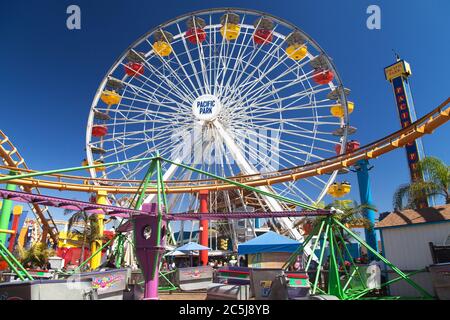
398 69
194 278
265 260
397 74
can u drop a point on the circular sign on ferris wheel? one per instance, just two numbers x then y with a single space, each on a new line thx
206 107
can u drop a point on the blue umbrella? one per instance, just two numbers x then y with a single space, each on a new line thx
191 246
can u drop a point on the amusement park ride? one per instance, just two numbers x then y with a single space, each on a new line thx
222 82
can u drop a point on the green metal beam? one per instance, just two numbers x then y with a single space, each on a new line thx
387 262
334 281
144 184
243 186
56 171
299 249
13 263
322 251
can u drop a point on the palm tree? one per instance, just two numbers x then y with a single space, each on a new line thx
409 196
349 213
90 230
36 256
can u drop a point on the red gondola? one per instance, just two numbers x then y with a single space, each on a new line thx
263 36
323 76
99 131
195 36
134 69
352 145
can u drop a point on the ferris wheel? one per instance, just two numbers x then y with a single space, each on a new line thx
229 91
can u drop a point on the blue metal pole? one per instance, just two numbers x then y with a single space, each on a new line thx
365 194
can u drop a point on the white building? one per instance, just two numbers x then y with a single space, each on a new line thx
405 237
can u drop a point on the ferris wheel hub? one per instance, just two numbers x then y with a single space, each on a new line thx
206 107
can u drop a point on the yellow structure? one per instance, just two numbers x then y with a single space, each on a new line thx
17 210
297 51
230 31
98 169
162 48
400 68
110 97
338 110
97 244
338 190
69 240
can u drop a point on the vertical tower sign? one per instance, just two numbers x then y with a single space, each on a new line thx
398 74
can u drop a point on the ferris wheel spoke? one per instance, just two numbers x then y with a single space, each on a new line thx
296 133
275 47
149 100
168 88
292 70
264 72
192 65
297 96
253 54
126 147
202 61
238 59
147 94
187 94
256 94
129 135
291 144
262 111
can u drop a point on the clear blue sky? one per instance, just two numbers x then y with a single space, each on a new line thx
49 74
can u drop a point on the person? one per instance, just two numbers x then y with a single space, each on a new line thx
233 261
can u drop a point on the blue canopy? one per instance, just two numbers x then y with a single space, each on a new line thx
268 242
191 246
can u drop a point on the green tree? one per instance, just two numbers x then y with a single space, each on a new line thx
408 196
36 256
89 231
349 212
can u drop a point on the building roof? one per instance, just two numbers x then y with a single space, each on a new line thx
412 217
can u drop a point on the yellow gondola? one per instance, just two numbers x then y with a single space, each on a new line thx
338 190
98 169
230 31
297 51
338 110
110 97
162 48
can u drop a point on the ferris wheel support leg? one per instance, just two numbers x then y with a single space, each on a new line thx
96 244
365 193
272 203
203 195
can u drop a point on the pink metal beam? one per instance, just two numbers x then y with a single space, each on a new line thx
128 213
